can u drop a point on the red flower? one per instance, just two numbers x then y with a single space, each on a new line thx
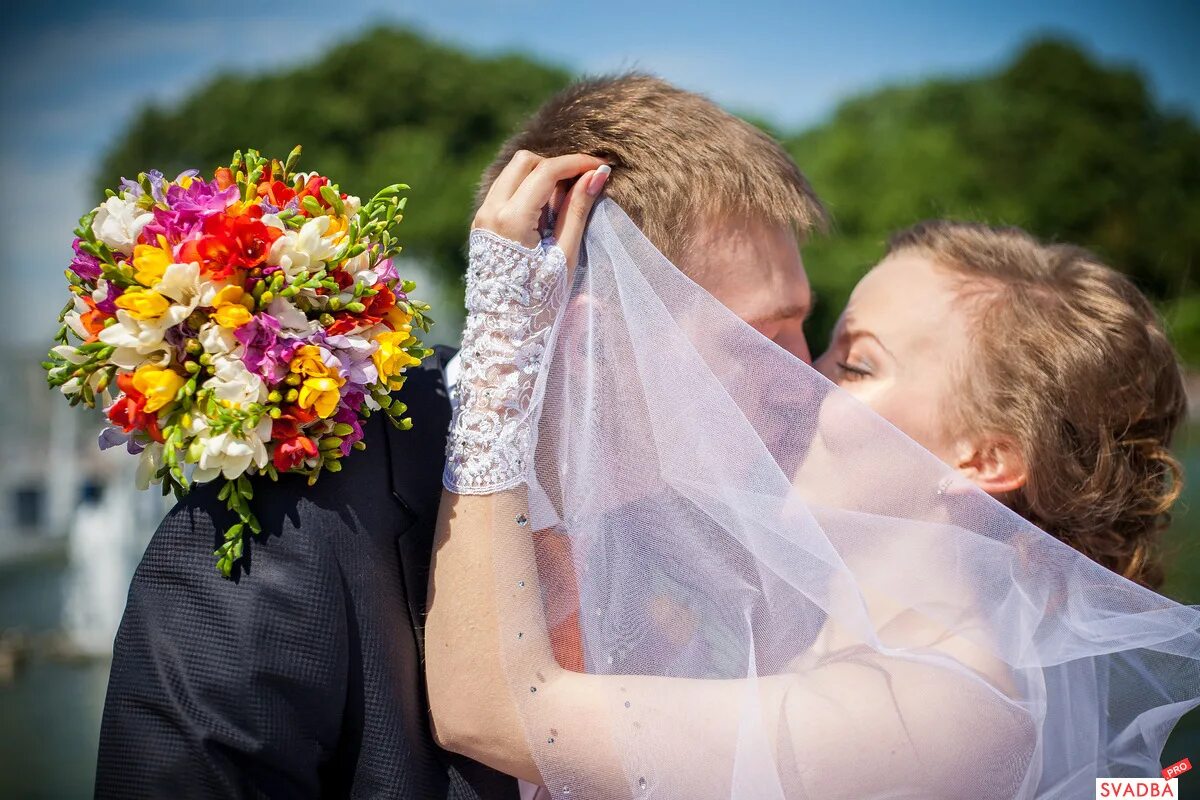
313 189
377 307
231 242
291 453
128 411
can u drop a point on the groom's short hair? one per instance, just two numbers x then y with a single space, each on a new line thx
679 160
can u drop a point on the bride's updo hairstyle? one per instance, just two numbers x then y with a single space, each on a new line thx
1071 362
679 160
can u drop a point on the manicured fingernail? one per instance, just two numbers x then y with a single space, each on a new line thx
599 178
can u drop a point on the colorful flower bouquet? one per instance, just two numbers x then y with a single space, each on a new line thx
247 324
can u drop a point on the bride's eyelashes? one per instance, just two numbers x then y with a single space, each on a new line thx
854 372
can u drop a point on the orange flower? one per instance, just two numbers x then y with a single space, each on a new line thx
231 242
93 320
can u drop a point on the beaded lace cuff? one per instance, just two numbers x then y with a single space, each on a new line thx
513 296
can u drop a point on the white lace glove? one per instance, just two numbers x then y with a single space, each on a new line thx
513 296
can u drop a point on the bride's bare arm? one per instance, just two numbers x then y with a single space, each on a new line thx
848 724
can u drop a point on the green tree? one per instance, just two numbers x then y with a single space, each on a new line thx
1069 149
388 106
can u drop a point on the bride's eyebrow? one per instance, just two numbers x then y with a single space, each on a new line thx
852 334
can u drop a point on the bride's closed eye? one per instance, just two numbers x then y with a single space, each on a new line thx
850 370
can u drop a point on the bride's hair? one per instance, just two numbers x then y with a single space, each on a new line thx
1071 361
679 161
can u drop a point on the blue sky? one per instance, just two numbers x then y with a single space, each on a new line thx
72 73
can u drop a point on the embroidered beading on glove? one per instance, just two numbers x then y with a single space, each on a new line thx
513 296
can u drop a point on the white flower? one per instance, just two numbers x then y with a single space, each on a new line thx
291 319
70 353
183 284
218 342
235 385
229 455
139 342
118 223
73 320
304 250
149 463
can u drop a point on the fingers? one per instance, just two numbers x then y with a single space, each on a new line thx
573 217
509 179
513 206
537 189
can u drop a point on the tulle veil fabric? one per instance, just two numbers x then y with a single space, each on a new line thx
709 507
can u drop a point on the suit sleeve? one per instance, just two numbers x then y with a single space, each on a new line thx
224 688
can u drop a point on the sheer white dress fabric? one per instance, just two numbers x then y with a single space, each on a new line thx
806 602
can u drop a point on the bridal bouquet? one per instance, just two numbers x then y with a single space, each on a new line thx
241 325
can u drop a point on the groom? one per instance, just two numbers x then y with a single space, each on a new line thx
302 677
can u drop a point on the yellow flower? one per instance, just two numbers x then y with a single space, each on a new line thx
321 386
400 321
337 228
143 304
390 359
307 361
321 394
158 385
150 261
232 306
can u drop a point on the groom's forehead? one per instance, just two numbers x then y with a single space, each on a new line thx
746 252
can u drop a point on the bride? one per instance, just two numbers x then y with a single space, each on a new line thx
769 590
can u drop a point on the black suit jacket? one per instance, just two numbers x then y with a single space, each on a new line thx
302 677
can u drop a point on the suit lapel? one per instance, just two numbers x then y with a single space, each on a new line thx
417 456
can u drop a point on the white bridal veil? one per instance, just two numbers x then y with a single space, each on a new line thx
712 512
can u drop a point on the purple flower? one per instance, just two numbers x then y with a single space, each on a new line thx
156 185
109 304
188 208
85 265
354 358
386 271
265 351
112 437
348 413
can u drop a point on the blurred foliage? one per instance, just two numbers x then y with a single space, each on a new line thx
388 106
1068 148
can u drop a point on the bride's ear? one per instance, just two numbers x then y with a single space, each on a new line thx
993 463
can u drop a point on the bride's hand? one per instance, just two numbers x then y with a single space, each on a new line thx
525 187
